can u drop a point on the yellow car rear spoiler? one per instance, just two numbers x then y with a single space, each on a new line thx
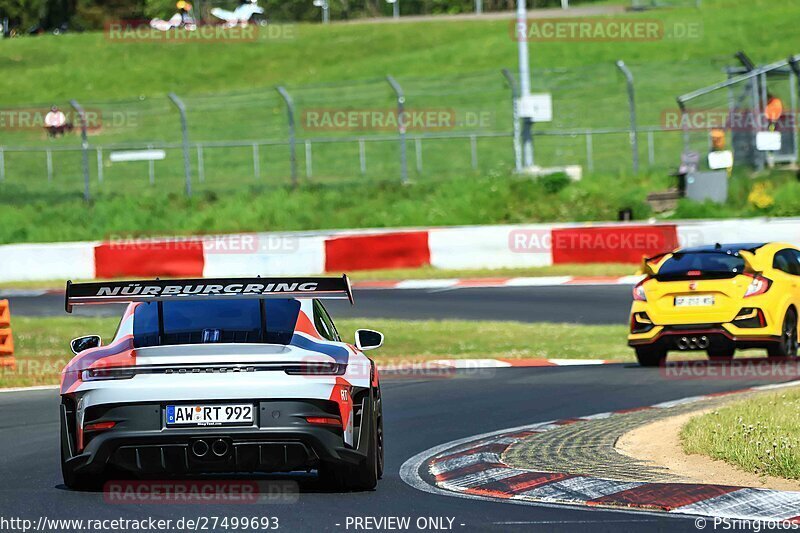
649 265
753 263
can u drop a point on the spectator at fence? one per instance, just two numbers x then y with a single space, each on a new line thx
55 122
773 111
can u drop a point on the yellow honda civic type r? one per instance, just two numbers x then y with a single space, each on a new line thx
716 299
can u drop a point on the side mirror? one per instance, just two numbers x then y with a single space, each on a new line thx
367 339
84 343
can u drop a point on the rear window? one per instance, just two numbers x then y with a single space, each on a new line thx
701 265
216 321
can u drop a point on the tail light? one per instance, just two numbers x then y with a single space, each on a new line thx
324 421
99 426
108 373
759 285
638 291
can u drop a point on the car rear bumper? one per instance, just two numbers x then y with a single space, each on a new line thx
701 337
280 440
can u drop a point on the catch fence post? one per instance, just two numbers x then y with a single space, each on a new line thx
292 140
187 165
634 136
84 147
401 127
515 117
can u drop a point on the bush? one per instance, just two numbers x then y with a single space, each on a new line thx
553 183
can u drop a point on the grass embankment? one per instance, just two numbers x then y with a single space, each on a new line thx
43 343
760 435
438 203
54 69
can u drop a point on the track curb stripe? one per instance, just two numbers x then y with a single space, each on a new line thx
474 468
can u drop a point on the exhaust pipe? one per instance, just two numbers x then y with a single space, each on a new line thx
220 448
703 342
683 343
199 448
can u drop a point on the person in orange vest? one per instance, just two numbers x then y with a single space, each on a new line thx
774 110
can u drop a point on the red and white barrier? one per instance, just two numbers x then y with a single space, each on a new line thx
300 253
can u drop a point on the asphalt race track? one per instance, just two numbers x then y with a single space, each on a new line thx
419 413
594 304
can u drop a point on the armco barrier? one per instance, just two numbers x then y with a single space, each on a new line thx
408 249
308 253
149 259
6 338
611 244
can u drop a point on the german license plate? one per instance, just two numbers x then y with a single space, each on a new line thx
694 301
211 415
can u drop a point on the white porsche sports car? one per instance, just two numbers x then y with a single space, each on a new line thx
221 375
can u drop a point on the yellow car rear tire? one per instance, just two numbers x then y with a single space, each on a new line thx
787 347
650 356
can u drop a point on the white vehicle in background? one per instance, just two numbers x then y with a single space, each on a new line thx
221 376
248 12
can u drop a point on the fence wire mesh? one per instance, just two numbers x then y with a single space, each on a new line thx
455 127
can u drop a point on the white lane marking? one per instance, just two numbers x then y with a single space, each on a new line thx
459 462
682 401
472 363
577 362
630 280
480 478
547 281
748 503
30 389
425 284
597 416
578 489
26 293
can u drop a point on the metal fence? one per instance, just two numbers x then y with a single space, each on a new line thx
288 135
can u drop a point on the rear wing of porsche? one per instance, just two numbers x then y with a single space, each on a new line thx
206 288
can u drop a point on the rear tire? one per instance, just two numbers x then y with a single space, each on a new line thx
787 346
650 356
365 475
80 481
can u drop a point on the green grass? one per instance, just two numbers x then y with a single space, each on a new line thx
42 344
760 435
440 64
474 201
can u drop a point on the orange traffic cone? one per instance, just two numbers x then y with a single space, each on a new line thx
6 339
5 314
